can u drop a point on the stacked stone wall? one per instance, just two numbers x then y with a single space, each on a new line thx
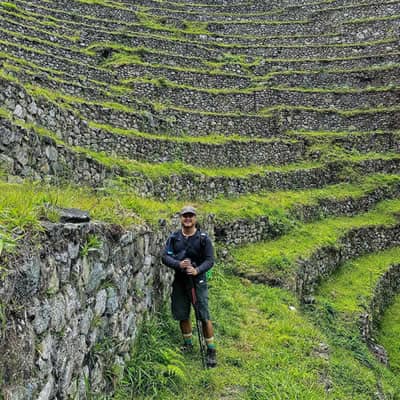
75 131
63 300
355 243
242 231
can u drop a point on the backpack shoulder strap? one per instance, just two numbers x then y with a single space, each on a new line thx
203 239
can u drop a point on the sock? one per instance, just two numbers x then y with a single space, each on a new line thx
187 338
210 342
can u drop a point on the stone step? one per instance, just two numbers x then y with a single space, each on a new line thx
326 12
215 53
240 228
326 120
255 101
30 153
206 79
317 23
359 61
347 34
24 40
289 52
194 123
246 7
356 280
342 34
58 63
79 11
217 151
81 21
344 50
173 74
362 142
375 76
26 154
362 289
197 123
326 245
35 30
147 116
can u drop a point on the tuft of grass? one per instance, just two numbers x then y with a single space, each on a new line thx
350 289
389 333
155 366
8 6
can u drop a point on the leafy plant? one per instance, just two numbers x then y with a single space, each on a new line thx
154 366
92 243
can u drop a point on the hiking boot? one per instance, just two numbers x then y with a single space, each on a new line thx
211 358
187 348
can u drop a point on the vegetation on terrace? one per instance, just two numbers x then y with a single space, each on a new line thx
269 345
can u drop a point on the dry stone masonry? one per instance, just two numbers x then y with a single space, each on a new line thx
112 88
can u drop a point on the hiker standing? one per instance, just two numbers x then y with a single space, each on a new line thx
190 253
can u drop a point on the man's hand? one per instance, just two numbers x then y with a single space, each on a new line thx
186 263
191 271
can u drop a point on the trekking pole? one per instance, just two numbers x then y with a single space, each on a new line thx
199 324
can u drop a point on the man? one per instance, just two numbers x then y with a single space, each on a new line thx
190 253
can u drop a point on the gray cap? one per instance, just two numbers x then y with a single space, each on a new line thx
188 210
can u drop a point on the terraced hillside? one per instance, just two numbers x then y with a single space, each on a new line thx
280 122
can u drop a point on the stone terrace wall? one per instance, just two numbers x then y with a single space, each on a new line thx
243 231
65 299
73 300
354 244
75 130
385 291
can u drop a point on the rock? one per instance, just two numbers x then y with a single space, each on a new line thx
51 153
57 321
6 163
112 301
19 112
86 321
97 274
32 108
28 283
73 215
101 300
42 314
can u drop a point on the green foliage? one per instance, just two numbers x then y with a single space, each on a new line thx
351 287
155 366
388 334
92 243
8 5
306 238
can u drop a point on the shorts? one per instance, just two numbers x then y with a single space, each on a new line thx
181 300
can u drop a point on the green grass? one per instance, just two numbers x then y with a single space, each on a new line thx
251 360
281 203
267 349
379 67
389 333
350 289
120 204
264 112
276 258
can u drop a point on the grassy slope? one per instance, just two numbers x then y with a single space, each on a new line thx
389 334
277 257
268 349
